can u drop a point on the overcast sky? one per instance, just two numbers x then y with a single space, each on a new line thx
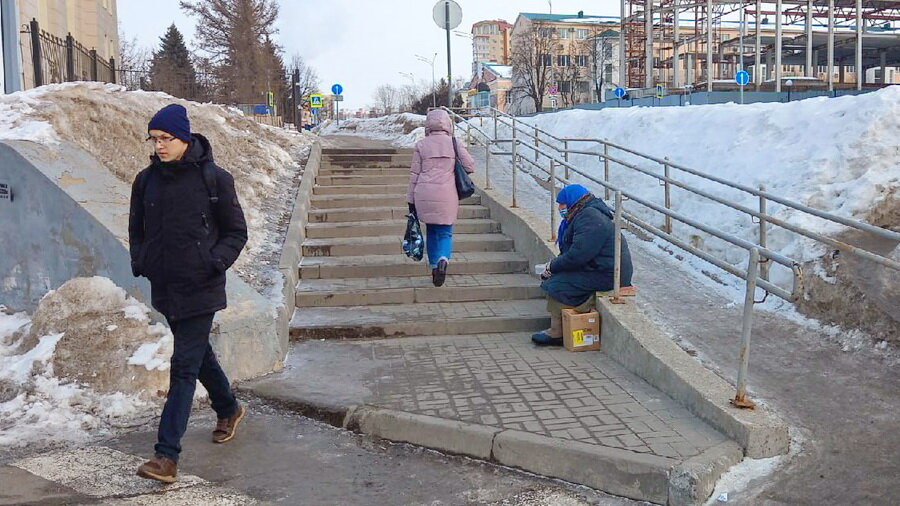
361 43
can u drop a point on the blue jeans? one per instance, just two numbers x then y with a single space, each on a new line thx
193 359
438 243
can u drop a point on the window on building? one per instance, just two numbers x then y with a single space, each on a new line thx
583 87
565 86
562 33
581 60
546 60
582 33
608 73
563 60
545 33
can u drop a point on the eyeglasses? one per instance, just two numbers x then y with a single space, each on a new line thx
163 139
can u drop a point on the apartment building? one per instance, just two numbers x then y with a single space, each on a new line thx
92 23
582 58
490 42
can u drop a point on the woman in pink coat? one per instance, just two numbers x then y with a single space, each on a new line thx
432 189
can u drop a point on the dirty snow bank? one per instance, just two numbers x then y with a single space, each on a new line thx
402 129
87 363
111 123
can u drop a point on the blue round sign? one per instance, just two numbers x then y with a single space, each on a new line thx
337 89
619 92
742 78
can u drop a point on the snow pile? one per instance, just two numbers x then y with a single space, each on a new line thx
403 129
111 123
87 362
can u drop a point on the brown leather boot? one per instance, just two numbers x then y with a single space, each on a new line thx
159 468
226 427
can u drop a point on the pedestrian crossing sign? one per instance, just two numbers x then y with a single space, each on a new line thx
315 101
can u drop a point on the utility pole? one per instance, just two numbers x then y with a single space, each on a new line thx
12 65
449 71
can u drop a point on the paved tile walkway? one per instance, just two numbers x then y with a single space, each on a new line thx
502 380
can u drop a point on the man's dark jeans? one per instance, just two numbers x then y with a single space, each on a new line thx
193 359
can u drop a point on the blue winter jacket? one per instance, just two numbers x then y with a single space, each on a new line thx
587 257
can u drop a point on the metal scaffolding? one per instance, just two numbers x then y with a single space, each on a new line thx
700 44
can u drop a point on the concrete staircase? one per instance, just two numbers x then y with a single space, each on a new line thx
355 281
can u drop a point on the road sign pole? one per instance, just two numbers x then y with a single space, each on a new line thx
449 71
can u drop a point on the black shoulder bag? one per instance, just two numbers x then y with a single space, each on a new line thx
465 188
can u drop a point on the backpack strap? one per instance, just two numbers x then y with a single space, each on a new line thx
209 179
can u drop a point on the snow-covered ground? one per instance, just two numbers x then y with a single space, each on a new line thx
88 363
403 129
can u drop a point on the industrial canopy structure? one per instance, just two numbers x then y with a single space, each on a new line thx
695 43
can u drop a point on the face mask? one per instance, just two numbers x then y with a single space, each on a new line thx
564 212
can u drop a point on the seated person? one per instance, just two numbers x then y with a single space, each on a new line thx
585 264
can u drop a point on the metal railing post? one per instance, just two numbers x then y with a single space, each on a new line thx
763 205
537 144
70 58
668 199
515 169
495 124
487 164
94 73
606 170
740 399
617 265
468 133
552 200
566 156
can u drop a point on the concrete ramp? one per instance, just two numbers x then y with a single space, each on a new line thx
68 218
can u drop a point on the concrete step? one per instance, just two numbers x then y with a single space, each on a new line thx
392 227
390 244
397 265
356 201
383 162
425 319
361 189
384 213
408 290
365 151
376 179
365 171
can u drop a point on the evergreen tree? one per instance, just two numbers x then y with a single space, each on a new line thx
236 34
171 69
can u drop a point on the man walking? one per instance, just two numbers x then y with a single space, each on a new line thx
186 228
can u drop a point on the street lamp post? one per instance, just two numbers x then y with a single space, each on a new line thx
433 90
412 80
789 83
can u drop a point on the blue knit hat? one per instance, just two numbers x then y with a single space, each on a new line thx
173 120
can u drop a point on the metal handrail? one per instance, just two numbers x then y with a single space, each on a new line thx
757 270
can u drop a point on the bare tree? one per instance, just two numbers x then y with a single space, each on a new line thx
308 82
567 76
236 34
134 63
533 49
600 49
386 98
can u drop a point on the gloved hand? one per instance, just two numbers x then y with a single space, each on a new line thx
546 274
412 208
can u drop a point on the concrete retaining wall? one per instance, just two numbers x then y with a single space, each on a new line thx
69 218
291 251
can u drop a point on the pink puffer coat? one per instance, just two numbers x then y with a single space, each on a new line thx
432 186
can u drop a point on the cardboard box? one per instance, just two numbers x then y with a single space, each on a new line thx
581 331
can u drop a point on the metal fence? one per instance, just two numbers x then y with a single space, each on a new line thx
58 60
528 145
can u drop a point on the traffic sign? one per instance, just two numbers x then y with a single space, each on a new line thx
315 101
270 98
338 98
337 89
619 92
660 91
440 11
742 78
553 89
